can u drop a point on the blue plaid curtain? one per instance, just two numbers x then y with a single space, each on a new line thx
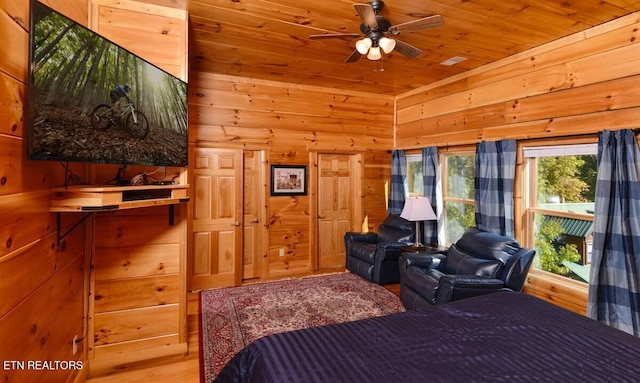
495 169
399 187
614 291
433 230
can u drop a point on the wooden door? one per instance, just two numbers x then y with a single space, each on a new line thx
217 215
336 202
254 213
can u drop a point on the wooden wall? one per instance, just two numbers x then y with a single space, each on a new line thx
42 289
139 287
578 85
157 33
289 122
45 283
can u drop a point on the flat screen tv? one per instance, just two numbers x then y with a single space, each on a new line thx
72 117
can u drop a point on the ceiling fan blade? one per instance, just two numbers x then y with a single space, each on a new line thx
367 15
355 56
408 50
335 35
435 21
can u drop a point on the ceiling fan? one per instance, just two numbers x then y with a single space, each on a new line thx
376 28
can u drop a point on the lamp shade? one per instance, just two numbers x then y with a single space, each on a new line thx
362 46
387 44
418 209
374 53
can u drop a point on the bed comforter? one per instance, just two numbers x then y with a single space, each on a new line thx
500 337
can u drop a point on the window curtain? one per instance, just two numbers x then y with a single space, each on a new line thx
614 291
399 187
433 230
495 168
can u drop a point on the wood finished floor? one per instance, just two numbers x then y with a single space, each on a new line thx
183 369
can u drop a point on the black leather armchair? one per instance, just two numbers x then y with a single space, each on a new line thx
479 263
374 256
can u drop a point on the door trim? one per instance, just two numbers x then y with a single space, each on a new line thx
263 261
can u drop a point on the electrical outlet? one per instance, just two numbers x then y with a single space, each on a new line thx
282 251
75 345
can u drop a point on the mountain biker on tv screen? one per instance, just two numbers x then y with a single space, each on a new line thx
117 94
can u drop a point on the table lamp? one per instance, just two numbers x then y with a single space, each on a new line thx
418 209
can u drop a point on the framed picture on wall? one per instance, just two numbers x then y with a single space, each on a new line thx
288 180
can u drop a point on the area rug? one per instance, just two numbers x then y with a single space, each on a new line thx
234 317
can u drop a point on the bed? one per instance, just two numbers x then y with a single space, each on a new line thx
500 337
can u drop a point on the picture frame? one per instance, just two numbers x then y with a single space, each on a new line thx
287 180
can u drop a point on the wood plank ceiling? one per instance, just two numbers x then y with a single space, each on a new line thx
269 39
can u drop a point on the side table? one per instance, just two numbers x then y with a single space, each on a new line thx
427 255
429 249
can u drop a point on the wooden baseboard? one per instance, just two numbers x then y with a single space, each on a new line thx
109 359
82 375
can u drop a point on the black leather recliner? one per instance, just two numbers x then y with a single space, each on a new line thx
479 263
374 256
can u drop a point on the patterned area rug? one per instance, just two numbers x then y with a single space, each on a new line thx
233 317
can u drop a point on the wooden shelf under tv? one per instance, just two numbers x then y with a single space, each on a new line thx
81 198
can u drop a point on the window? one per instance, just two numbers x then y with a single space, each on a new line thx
560 202
414 175
458 193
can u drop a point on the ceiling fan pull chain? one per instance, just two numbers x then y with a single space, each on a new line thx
375 65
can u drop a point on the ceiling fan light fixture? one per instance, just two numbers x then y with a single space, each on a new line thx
374 53
363 45
374 27
387 44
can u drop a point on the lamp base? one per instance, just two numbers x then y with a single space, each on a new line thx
418 243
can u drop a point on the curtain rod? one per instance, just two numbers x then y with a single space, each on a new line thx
635 131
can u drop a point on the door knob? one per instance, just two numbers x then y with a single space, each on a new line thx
255 220
237 223
320 217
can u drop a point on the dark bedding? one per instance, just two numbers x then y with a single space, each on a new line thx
500 337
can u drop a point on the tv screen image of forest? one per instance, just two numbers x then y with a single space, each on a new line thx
73 71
